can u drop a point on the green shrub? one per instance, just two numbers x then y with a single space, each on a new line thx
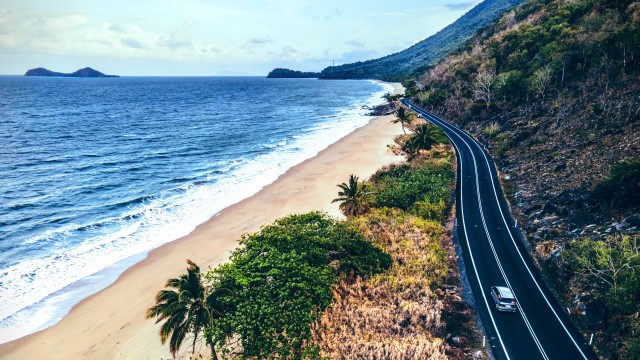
404 185
429 210
281 279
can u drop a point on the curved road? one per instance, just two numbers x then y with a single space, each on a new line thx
494 255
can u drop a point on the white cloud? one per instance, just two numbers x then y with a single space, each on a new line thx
193 37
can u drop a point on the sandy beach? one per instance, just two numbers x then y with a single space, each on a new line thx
111 323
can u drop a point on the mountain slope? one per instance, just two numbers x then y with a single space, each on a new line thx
397 66
552 90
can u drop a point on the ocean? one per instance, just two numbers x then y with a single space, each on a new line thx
94 173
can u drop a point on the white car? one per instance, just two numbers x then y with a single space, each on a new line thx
504 298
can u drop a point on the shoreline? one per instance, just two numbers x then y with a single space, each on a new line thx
118 329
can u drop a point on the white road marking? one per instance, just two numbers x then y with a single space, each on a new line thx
455 130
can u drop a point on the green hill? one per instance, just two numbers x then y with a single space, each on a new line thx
84 72
287 74
552 90
427 52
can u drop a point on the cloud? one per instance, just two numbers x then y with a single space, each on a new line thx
461 6
358 55
132 43
178 37
356 43
260 41
291 52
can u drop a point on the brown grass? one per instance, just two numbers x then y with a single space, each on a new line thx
396 314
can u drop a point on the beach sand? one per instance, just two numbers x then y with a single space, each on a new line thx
111 324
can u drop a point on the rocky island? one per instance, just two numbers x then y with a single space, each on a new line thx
86 72
287 73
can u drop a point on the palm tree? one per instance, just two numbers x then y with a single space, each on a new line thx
184 309
423 138
403 117
352 196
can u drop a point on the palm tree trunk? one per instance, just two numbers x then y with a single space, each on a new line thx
214 356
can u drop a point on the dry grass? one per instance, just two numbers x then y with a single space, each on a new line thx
396 314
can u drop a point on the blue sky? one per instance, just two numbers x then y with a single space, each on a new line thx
211 37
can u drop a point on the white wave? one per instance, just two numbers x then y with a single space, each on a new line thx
38 289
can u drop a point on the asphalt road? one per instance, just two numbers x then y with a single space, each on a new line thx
494 255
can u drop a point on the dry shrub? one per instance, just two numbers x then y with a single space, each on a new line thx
396 314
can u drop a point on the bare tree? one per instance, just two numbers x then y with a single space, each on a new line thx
540 80
483 86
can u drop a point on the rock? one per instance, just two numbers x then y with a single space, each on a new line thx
560 167
633 220
570 197
619 226
549 208
533 208
596 314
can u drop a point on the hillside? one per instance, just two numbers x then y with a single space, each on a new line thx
84 72
552 90
398 66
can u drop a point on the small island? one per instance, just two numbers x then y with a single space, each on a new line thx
86 72
287 73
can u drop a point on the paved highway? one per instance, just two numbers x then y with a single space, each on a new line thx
494 255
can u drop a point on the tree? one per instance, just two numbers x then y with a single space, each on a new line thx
352 197
184 309
540 80
483 86
282 278
611 262
425 136
403 117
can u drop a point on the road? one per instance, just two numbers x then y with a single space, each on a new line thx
494 255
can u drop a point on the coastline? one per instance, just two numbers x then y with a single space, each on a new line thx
117 327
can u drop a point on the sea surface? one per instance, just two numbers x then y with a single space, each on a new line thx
94 173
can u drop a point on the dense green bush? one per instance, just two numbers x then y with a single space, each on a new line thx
281 280
401 186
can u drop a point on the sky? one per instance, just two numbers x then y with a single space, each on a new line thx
211 37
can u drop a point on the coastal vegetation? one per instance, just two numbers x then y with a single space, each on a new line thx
413 310
275 285
404 117
551 89
185 306
352 196
382 283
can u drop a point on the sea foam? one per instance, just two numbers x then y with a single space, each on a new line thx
38 292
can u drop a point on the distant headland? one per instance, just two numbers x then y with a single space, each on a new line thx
86 72
287 73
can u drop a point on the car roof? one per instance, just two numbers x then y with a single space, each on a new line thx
505 291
